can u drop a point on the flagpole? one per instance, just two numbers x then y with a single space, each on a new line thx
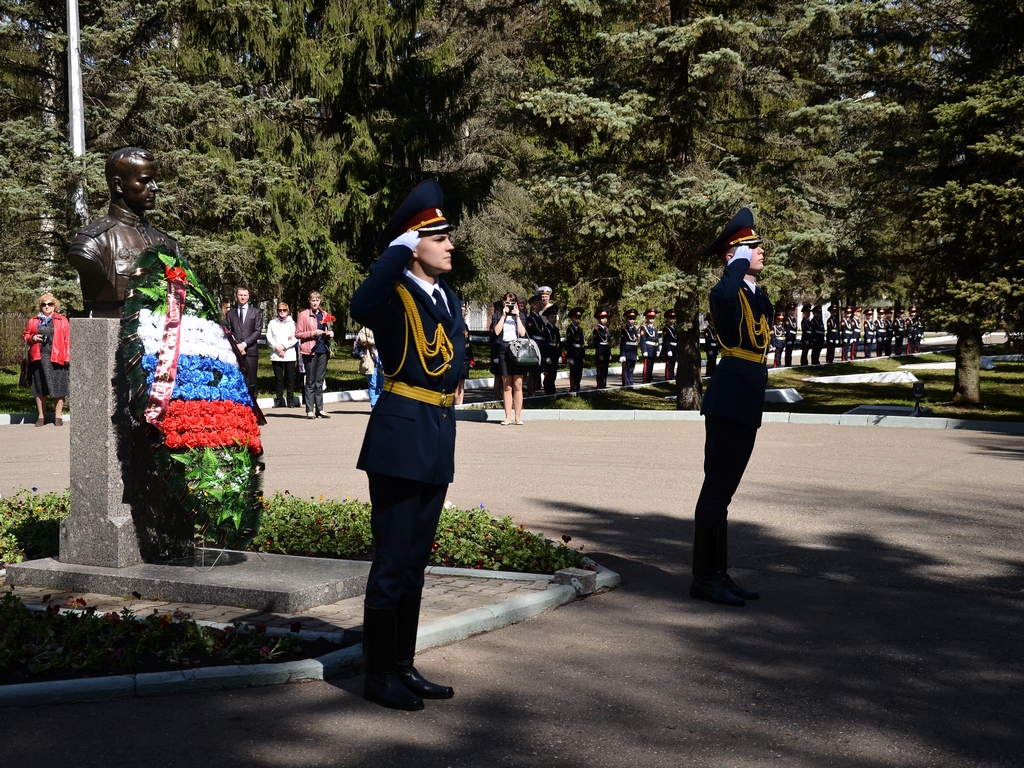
76 106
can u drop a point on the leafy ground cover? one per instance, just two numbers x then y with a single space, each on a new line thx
36 646
30 529
1002 391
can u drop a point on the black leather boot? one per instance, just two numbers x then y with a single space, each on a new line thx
380 642
408 624
707 582
723 566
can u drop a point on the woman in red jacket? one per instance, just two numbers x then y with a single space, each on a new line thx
48 335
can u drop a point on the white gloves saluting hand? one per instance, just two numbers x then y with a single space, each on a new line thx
409 239
743 252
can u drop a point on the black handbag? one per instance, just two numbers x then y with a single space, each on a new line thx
25 380
524 352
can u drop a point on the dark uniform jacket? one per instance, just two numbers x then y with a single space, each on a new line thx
574 344
649 340
670 342
736 391
405 437
104 252
629 342
552 348
601 338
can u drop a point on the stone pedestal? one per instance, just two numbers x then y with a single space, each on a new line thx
100 530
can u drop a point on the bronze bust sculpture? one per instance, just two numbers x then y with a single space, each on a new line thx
103 252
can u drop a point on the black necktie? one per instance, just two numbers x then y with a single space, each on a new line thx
439 303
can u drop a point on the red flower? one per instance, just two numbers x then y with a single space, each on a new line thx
176 273
202 424
328 318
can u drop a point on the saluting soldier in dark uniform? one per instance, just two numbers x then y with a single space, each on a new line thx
870 331
417 324
915 331
779 338
551 352
884 332
629 343
899 331
733 404
601 338
670 344
833 333
574 348
850 334
710 346
649 344
791 326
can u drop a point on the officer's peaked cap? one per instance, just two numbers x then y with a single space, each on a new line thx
420 212
739 231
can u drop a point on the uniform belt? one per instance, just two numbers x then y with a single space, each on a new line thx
743 354
424 395
578 346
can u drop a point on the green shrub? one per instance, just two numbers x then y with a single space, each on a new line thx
30 529
30 524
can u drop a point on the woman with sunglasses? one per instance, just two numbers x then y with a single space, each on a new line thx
282 342
48 336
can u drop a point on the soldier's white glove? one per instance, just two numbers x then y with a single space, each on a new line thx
622 359
409 239
743 252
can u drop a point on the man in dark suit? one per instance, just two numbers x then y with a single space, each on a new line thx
246 324
417 323
733 403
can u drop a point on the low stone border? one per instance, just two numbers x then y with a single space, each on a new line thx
447 630
770 417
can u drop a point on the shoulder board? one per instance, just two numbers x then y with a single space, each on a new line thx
98 227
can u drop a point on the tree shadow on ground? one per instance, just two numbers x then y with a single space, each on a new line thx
871 647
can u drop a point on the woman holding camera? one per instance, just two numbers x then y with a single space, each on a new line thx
48 336
507 326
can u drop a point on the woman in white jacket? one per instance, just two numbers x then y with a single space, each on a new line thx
283 345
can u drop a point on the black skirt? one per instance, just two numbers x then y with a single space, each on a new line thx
506 365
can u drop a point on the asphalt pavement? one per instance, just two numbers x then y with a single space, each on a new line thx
888 633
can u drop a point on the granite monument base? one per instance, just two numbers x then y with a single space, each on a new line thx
259 582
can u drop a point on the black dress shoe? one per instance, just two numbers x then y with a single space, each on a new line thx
712 589
388 691
422 687
322 415
736 589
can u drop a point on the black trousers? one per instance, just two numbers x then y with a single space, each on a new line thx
251 363
284 374
403 522
727 448
602 372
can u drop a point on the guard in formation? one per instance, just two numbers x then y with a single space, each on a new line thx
574 348
670 344
779 332
417 324
710 346
629 343
551 351
601 338
733 404
649 344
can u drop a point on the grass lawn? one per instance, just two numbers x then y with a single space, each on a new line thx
1002 391
342 373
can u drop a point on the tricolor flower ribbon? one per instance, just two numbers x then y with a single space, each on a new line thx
167 360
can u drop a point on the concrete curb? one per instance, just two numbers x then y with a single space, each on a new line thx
783 417
446 630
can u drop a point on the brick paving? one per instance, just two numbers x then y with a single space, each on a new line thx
443 596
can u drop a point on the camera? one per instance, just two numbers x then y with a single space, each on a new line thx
509 306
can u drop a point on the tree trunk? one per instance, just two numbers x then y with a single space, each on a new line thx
689 390
966 384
